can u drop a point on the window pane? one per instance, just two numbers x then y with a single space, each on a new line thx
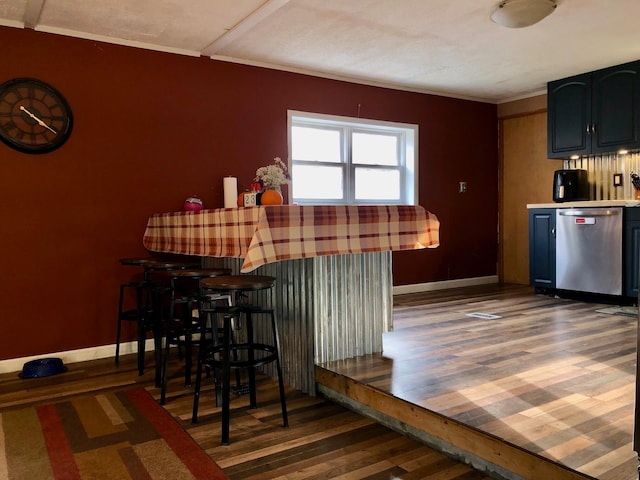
315 144
374 149
377 184
317 182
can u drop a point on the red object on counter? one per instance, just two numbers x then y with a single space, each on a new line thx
193 204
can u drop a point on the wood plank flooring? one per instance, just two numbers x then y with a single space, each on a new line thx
551 376
323 441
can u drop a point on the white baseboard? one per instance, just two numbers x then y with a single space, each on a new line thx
73 356
106 351
432 286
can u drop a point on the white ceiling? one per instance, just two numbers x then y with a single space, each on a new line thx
448 47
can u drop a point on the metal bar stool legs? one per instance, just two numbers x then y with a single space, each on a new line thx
251 354
139 314
226 379
147 312
181 326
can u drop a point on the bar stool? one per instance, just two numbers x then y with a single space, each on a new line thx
139 314
143 313
181 326
158 285
226 354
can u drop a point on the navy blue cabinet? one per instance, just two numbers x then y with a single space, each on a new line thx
594 113
631 254
542 247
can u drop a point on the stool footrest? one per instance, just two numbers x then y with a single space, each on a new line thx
233 363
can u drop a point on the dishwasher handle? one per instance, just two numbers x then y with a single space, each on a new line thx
588 213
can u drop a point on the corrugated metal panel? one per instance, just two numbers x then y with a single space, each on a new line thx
601 169
327 308
353 305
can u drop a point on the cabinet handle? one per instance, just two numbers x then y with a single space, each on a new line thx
593 129
553 232
588 129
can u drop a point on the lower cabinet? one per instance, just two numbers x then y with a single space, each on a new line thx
542 247
631 253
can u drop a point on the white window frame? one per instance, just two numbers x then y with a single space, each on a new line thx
406 133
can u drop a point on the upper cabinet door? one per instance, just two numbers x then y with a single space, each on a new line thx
569 116
616 116
594 113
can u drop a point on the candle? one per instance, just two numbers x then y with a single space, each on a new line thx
230 187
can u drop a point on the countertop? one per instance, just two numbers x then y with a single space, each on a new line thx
587 204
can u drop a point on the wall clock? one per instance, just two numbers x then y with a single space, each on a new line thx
34 116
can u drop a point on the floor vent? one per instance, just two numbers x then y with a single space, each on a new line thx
627 311
486 316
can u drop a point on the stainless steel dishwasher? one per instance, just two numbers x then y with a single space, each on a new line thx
589 250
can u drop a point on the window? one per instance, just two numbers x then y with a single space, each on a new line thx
353 161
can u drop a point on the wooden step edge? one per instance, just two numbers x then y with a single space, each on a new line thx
465 444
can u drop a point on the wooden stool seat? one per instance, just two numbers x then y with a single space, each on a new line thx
200 273
239 283
170 265
136 262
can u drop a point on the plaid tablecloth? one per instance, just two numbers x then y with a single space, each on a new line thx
268 234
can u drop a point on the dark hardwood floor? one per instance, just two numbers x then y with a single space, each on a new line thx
323 441
546 389
549 376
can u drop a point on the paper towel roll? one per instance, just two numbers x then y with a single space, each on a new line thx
230 186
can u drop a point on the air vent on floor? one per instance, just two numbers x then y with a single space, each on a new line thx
486 316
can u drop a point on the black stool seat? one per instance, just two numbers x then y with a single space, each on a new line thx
225 353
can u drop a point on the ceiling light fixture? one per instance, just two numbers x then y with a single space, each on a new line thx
522 13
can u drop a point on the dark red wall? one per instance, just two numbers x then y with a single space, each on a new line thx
152 129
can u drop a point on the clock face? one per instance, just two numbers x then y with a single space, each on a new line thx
34 117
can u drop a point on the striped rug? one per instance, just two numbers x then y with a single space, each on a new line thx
115 435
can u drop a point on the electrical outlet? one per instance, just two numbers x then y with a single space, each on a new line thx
617 179
463 187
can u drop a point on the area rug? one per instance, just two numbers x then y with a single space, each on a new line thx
116 435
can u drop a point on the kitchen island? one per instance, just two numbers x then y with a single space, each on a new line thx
333 294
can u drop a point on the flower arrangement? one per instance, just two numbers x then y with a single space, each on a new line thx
272 176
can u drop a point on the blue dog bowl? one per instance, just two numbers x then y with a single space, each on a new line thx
43 367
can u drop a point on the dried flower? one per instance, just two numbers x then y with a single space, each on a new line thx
273 175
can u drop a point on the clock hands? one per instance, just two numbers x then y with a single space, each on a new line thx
40 122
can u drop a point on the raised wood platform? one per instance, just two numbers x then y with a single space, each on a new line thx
545 389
